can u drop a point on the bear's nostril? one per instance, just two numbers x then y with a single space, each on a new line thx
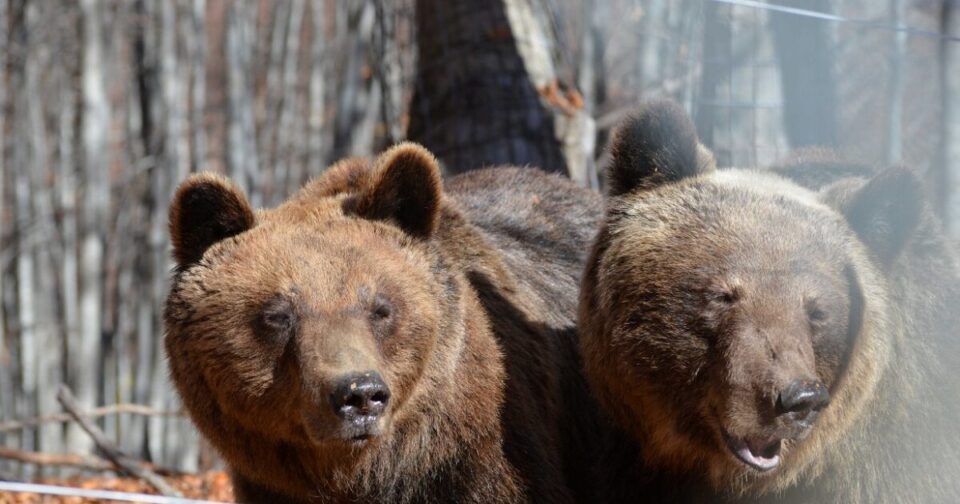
803 399
359 395
380 397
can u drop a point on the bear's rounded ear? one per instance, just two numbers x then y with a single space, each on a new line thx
885 212
657 144
206 208
405 189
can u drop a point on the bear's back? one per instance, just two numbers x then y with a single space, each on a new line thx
541 224
541 227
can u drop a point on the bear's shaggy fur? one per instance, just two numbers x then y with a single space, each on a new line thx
711 295
462 300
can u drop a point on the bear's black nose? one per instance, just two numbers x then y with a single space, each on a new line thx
360 396
801 400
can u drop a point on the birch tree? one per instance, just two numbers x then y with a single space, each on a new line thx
85 353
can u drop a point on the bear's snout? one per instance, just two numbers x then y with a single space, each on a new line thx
360 398
801 401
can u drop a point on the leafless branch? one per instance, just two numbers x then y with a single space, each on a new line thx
110 450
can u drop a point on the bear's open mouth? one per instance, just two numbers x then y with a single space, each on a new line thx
762 454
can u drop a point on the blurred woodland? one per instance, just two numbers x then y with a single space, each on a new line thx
105 105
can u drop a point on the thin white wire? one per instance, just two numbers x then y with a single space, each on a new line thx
826 16
106 495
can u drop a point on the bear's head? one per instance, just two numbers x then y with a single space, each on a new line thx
731 321
320 325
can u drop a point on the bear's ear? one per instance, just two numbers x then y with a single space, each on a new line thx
405 189
885 212
206 208
657 144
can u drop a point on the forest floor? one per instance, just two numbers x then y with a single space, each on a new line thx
213 486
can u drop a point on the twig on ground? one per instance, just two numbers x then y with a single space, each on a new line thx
110 450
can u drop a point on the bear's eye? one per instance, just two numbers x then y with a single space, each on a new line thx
279 320
815 313
277 317
726 297
381 309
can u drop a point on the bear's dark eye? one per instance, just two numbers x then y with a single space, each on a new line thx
815 313
381 309
727 297
277 318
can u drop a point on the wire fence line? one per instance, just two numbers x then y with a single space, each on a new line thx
826 16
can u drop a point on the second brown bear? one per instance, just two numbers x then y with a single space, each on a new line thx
759 341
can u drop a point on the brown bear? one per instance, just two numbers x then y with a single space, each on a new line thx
378 338
770 335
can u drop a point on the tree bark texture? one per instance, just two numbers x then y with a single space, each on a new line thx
475 103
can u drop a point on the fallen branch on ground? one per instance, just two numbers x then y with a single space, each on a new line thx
111 451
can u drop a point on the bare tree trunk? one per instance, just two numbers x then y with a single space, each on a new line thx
716 62
6 380
25 296
11 371
167 435
318 143
36 261
895 97
143 127
267 127
198 53
652 65
475 99
67 182
950 76
589 83
242 150
387 64
805 56
165 153
289 112
358 104
85 354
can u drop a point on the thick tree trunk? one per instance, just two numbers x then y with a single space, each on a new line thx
475 103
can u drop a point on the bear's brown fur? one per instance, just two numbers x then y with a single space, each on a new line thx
462 300
713 296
